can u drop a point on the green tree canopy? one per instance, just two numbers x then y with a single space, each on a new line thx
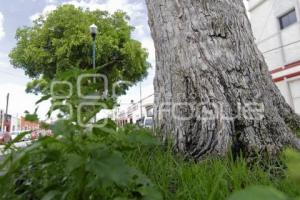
61 42
31 117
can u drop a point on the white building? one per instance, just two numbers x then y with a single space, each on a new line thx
15 124
143 108
135 111
276 27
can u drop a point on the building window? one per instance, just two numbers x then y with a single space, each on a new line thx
288 19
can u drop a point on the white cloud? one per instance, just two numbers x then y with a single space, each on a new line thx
46 11
3 55
4 63
2 33
133 10
14 81
148 44
51 1
110 6
15 107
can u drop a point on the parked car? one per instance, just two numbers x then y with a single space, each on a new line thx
27 137
148 122
145 122
139 122
15 134
5 138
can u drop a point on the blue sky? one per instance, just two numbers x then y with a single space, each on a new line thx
18 13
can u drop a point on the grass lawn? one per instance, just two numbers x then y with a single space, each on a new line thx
207 180
93 166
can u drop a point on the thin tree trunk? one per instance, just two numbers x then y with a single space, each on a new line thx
208 71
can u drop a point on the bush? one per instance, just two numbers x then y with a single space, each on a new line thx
77 165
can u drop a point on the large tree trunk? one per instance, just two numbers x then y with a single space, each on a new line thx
208 70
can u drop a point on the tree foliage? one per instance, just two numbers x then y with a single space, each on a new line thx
61 42
31 117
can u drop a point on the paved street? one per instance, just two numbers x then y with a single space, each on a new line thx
18 145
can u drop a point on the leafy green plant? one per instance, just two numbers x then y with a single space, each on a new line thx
77 165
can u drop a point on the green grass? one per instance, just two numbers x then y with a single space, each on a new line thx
207 180
298 132
103 166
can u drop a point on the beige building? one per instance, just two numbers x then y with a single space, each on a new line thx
276 27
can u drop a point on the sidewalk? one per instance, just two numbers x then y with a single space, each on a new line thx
17 145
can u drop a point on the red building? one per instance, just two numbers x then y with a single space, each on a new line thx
6 122
29 126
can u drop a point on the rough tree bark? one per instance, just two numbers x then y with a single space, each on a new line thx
208 65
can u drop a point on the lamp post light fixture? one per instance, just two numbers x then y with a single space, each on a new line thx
93 31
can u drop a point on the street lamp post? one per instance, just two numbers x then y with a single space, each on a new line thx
93 31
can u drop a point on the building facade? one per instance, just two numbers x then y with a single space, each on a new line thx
134 112
29 126
5 122
15 124
276 27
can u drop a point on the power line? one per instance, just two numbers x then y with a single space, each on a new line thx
281 47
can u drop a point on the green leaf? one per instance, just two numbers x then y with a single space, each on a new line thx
74 161
109 166
63 127
44 98
50 195
150 193
259 193
17 139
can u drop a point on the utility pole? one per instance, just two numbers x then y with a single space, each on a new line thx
141 105
7 100
2 120
4 115
93 31
6 109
